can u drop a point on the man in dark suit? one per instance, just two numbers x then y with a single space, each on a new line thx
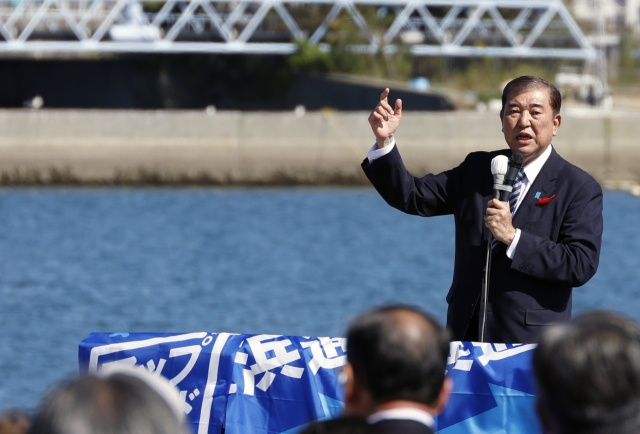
549 235
395 375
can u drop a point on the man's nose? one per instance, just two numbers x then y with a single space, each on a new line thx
525 119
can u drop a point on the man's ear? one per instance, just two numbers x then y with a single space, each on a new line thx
352 390
357 401
442 400
557 120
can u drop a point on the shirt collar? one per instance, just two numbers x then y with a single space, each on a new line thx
533 168
404 413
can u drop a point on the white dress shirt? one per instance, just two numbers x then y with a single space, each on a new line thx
404 413
531 171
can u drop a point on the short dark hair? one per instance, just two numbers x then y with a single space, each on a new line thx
400 353
529 82
588 375
14 421
341 425
119 404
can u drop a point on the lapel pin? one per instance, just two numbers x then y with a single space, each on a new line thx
537 195
545 200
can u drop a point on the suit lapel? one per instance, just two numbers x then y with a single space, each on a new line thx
544 183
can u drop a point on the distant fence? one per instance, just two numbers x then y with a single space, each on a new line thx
193 147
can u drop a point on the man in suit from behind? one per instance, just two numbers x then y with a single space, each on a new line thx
587 373
395 375
548 235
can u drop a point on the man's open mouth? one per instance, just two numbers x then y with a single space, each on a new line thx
524 137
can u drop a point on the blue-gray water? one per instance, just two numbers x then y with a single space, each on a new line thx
280 261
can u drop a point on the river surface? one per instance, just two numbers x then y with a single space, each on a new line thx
278 261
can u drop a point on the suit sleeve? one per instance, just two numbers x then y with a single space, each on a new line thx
428 196
573 259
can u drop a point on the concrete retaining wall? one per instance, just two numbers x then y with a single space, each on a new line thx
156 147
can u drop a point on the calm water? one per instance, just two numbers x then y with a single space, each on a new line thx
280 261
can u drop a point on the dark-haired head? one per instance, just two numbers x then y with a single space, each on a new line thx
588 375
398 353
526 83
14 421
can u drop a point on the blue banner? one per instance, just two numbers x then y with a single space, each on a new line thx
493 390
250 383
268 384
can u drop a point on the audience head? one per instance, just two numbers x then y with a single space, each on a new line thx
396 353
588 375
14 421
118 401
341 425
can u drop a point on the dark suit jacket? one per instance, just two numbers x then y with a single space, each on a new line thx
559 245
401 426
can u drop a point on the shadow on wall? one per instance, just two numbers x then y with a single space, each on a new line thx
227 82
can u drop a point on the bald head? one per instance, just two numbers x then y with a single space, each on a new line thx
399 353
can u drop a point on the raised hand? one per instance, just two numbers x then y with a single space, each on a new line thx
384 119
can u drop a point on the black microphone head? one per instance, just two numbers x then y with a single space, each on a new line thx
515 163
515 160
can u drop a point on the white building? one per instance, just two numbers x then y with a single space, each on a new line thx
616 13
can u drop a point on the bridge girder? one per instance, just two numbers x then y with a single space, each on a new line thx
467 28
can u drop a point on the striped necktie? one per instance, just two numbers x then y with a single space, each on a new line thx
515 193
513 198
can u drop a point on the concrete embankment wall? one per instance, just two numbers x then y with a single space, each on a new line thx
182 147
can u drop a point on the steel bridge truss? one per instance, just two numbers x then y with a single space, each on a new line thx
497 28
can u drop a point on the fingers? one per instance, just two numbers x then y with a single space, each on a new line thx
376 117
385 114
491 207
495 220
500 224
385 104
398 107
383 110
384 94
495 203
496 212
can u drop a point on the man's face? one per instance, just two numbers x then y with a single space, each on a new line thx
528 123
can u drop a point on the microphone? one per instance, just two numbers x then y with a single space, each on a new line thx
504 172
499 167
515 163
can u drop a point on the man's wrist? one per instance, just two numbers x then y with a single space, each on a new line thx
375 152
384 142
513 245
